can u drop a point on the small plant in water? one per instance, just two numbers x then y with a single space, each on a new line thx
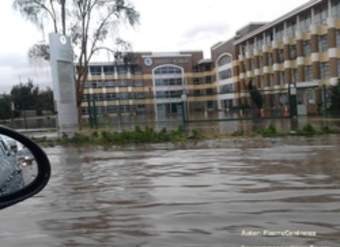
270 131
309 130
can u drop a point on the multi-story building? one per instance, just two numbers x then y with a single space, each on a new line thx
300 50
225 59
152 83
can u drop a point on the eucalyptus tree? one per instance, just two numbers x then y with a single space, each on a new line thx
88 22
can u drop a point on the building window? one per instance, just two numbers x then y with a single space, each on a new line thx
251 48
122 83
139 84
242 50
168 70
308 73
210 91
169 94
323 43
122 70
87 84
169 82
110 96
281 57
225 74
112 109
306 48
211 104
291 27
269 37
338 38
294 75
261 63
271 80
95 70
253 61
94 84
270 59
282 79
123 95
324 15
226 59
305 22
109 70
259 43
279 34
292 52
249 65
324 71
338 67
141 109
321 15
336 9
109 84
226 89
136 70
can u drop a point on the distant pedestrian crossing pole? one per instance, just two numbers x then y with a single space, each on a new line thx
64 87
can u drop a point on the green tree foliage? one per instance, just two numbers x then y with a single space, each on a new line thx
87 22
5 106
26 96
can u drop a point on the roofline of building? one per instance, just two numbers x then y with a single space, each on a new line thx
253 23
219 44
205 60
297 10
173 54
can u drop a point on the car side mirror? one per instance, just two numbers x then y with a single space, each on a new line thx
24 168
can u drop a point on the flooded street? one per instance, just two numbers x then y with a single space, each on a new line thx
203 195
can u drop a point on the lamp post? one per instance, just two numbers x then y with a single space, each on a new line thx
334 83
184 99
292 101
292 106
323 99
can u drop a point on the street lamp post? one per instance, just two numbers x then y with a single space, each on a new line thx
292 106
292 101
324 100
89 110
184 99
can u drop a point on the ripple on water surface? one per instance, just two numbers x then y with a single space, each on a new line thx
191 197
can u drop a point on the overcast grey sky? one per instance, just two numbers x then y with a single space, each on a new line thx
164 26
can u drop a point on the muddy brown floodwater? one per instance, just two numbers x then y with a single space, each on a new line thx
203 195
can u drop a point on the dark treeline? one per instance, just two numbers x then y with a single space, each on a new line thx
23 97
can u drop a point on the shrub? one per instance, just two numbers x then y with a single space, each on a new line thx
195 134
79 138
270 131
309 130
237 133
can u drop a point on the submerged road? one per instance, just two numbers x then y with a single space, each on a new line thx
208 195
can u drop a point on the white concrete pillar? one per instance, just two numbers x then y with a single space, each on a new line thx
329 8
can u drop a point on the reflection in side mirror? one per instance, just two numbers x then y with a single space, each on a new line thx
24 168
